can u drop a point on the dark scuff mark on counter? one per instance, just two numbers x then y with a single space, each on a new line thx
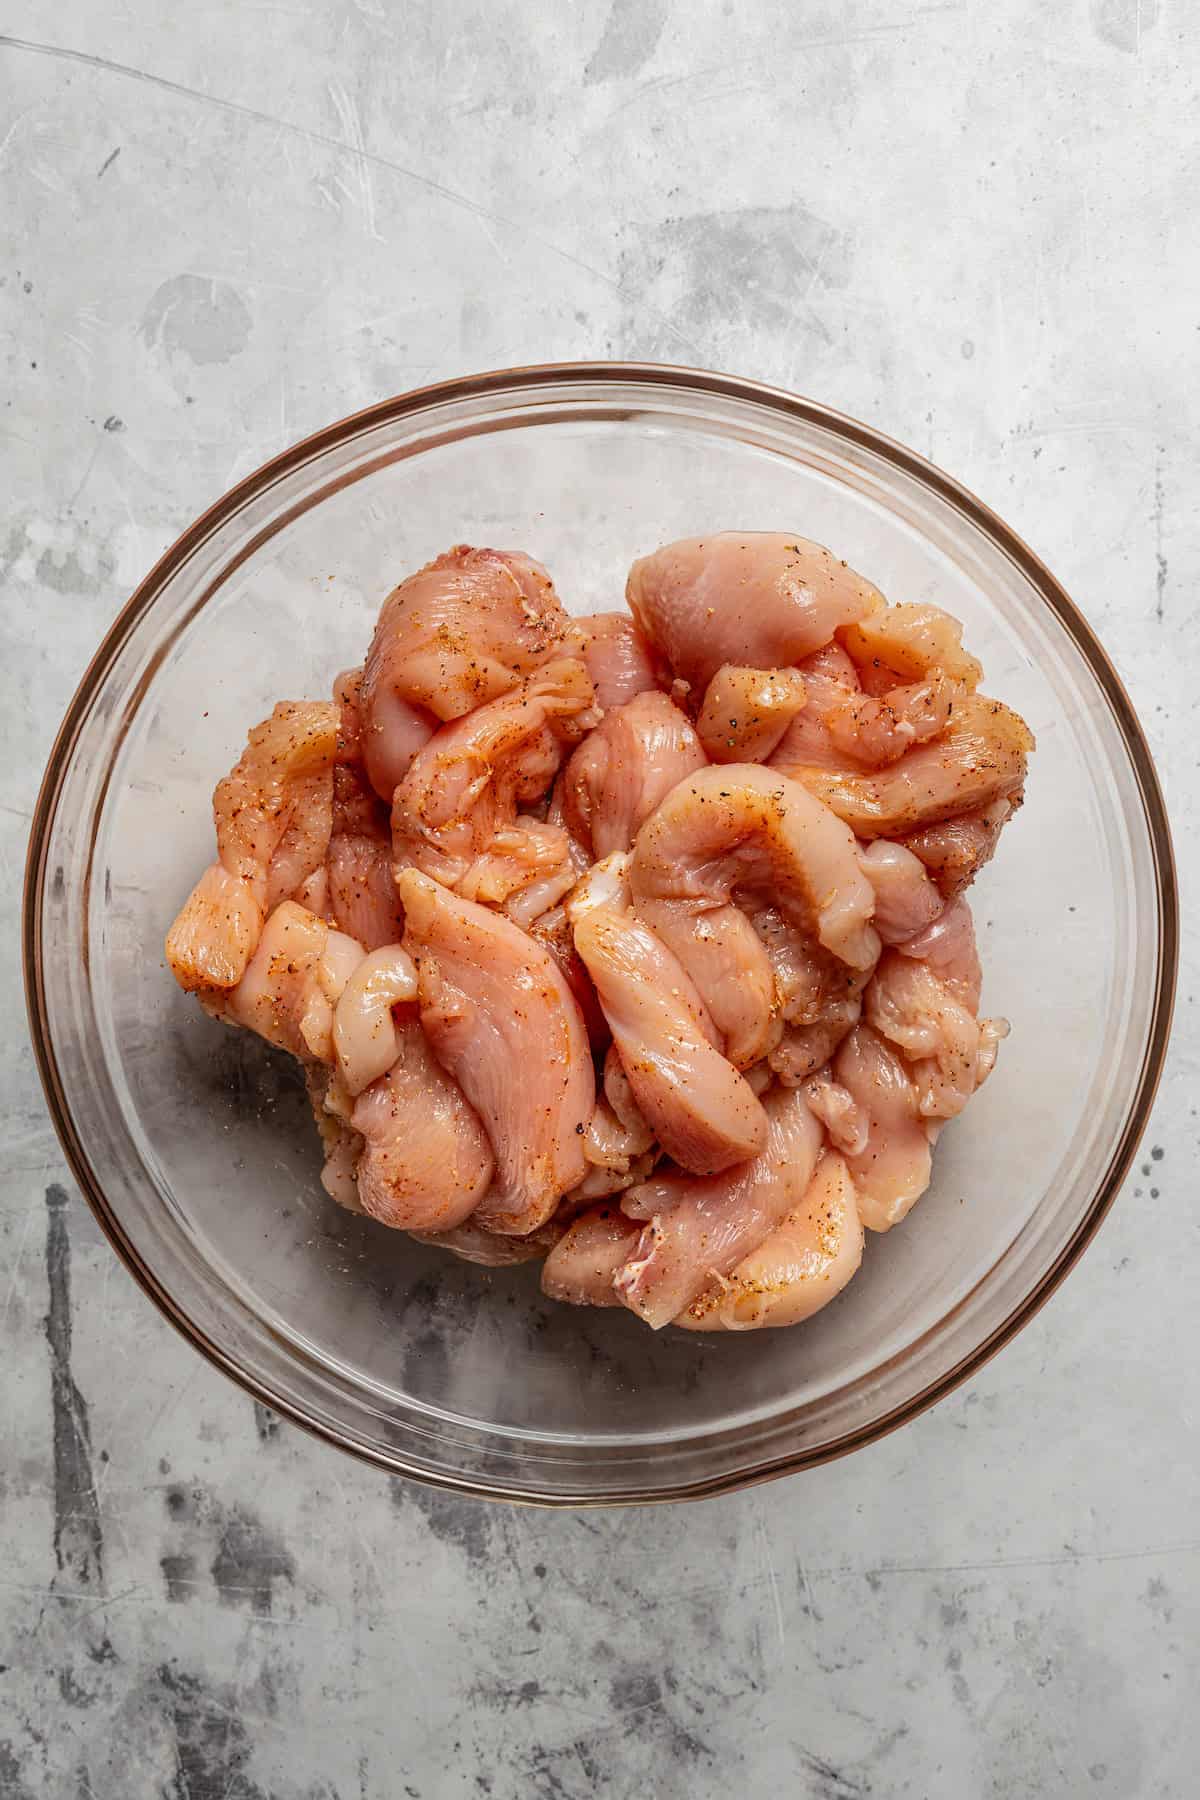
266 1423
179 1574
11 1785
249 1561
78 1534
212 1746
452 1518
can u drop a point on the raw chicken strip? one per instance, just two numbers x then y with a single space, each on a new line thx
458 633
877 729
762 599
599 1182
364 1032
893 1171
829 678
924 999
838 1112
581 1266
273 814
553 931
696 1104
426 1162
803 1049
612 1144
456 813
618 658
618 1155
803 1265
347 697
624 769
979 758
817 998
699 1230
747 830
906 900
956 850
810 982
938 1035
340 1143
504 1024
862 718
274 810
747 711
620 1097
213 938
947 944
292 983
361 889
912 641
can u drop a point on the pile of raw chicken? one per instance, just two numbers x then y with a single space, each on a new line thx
635 943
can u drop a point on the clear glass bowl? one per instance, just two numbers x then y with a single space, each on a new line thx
194 1144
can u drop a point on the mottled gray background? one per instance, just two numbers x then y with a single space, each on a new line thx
224 224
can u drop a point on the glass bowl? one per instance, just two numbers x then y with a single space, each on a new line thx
194 1144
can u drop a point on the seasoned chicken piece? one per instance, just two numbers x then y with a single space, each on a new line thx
503 1022
924 999
877 729
609 1142
274 810
361 889
347 697
803 1049
760 599
621 1098
817 998
829 678
694 1101
839 1113
938 1035
456 815
618 658
581 1266
799 1268
979 758
747 711
863 718
365 1041
600 1182
542 898
744 831
213 938
906 900
699 1230
426 1162
341 1145
811 984
623 769
947 944
956 850
618 1155
460 632
893 1171
912 642
273 814
553 931
292 983
393 733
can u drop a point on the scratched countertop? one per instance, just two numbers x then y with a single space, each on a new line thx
224 225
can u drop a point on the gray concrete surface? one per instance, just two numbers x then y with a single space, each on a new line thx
977 227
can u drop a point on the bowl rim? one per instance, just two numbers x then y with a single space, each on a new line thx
528 379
